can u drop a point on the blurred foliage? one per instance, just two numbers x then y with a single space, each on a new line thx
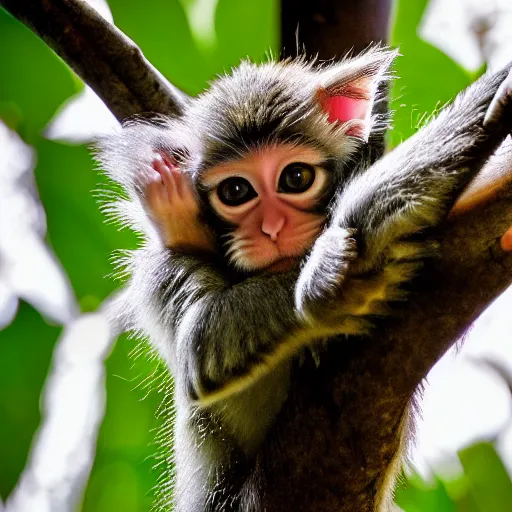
33 84
426 77
484 486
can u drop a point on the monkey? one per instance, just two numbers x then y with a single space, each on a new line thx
267 229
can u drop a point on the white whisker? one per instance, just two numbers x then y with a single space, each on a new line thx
236 246
239 260
230 240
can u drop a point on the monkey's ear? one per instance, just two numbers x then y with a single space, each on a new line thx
348 90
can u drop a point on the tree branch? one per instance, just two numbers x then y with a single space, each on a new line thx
108 61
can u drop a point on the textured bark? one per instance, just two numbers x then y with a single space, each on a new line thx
341 428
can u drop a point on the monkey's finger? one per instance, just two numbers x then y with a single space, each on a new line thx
502 100
177 177
181 181
174 172
155 194
185 186
170 162
167 177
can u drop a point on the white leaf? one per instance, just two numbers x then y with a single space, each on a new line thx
28 267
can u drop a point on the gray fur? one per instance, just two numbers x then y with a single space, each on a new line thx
229 339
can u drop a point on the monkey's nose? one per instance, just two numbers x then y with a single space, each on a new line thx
271 226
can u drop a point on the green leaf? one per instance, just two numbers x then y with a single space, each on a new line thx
34 81
415 495
489 481
162 31
25 351
66 181
426 77
247 29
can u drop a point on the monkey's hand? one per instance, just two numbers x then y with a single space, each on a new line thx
324 271
173 206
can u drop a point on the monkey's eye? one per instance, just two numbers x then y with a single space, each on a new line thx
296 178
235 191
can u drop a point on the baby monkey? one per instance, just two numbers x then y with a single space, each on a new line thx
267 228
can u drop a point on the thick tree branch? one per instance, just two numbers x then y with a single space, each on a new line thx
108 61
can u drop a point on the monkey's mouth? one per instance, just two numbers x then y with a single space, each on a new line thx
283 264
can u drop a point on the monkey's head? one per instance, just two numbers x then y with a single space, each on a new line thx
276 141
268 145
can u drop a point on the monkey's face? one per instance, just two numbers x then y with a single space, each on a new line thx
271 199
266 138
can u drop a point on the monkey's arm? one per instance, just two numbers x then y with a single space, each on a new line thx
412 188
225 336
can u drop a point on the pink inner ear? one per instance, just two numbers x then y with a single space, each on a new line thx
342 108
348 103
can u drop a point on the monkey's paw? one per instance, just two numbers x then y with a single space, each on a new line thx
172 203
321 278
